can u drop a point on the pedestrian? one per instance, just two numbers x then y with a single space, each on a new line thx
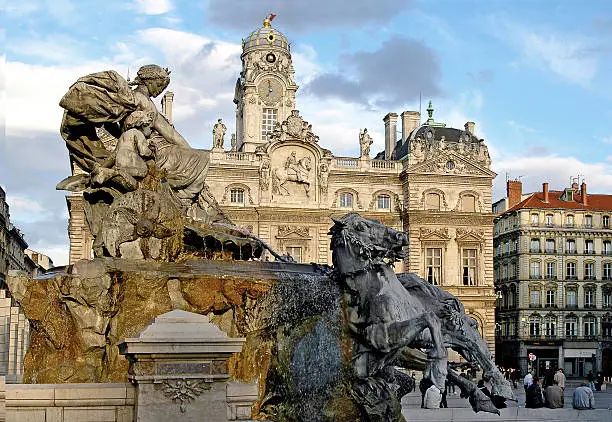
548 377
449 385
527 381
514 377
553 396
583 397
423 386
591 379
533 396
598 381
432 398
560 379
443 402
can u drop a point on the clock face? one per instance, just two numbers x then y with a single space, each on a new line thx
270 91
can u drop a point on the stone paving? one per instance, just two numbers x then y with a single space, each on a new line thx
459 409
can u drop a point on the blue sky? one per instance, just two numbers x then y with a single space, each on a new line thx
535 76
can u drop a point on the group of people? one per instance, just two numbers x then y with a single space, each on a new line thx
551 394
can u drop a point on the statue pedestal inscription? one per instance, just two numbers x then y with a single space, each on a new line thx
179 366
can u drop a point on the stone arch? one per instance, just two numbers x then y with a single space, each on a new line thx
245 188
440 192
356 200
477 200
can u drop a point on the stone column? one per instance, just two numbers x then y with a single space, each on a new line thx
179 366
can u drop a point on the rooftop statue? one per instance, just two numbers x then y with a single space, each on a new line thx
120 145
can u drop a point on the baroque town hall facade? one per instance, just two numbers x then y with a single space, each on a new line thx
280 183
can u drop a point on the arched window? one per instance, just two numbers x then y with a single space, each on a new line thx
571 324
432 201
534 326
550 326
346 200
468 203
588 323
384 202
237 196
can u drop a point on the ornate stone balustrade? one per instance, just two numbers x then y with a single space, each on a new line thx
347 162
383 164
238 156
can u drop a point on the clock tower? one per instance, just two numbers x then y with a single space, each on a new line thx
265 91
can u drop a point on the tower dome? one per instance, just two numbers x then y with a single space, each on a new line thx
265 37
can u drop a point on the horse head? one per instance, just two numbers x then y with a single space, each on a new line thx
359 242
305 163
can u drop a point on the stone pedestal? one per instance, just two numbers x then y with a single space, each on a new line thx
179 366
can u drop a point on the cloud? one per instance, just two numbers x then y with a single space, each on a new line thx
553 169
154 7
607 139
304 16
394 74
572 57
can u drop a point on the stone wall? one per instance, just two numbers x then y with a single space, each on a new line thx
14 338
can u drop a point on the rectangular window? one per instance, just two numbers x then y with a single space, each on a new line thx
570 298
607 247
588 247
570 246
535 299
588 221
534 328
550 246
606 221
589 327
570 220
237 196
535 245
607 271
551 270
384 202
589 298
549 220
570 272
570 328
534 269
295 252
589 271
550 298
607 298
504 273
469 267
346 200
433 263
535 219
268 120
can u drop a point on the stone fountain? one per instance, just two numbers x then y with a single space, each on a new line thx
319 343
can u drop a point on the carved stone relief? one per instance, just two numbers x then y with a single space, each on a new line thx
294 170
294 127
184 391
429 233
301 231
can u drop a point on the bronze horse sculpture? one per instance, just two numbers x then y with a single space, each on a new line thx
388 315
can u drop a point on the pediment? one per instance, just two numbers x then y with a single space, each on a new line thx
451 163
466 236
431 234
293 232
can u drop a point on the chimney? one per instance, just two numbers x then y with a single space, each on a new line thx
545 191
410 121
469 127
514 190
390 134
167 105
585 198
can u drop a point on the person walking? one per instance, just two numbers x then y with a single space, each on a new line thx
527 381
591 379
533 396
553 396
583 397
559 378
432 398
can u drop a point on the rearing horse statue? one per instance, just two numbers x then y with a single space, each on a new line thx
386 315
294 171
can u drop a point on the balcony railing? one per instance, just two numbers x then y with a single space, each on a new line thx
589 306
589 252
550 305
535 250
571 306
547 250
590 277
535 305
571 277
550 277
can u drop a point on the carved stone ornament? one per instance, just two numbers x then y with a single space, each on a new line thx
428 233
286 231
464 235
294 170
184 391
294 127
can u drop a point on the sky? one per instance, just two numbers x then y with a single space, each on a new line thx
535 76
